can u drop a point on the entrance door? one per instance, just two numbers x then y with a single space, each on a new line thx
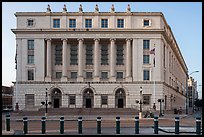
88 103
56 103
120 103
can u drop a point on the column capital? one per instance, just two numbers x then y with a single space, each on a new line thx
48 39
96 39
128 39
64 39
80 39
112 39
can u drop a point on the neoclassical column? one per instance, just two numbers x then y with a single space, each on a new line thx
112 60
64 60
96 60
80 61
49 61
128 60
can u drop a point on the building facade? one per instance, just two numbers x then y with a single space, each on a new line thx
192 93
7 97
98 60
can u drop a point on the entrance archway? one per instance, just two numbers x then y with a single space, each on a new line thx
88 98
120 98
56 98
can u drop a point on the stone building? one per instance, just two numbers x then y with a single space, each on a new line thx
98 60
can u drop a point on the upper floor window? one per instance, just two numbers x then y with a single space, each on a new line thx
119 55
119 75
88 23
56 23
30 22
73 55
58 75
146 44
104 75
73 75
145 59
89 75
58 55
31 74
72 23
145 74
89 55
104 23
120 23
146 22
30 52
104 55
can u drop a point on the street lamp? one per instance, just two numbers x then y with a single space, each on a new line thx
160 100
140 102
187 90
46 103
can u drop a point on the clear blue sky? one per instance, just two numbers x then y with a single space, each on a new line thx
184 18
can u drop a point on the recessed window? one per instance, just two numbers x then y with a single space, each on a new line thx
58 55
89 55
31 74
89 75
56 23
58 75
30 51
119 75
73 55
104 75
88 23
146 22
146 99
146 44
72 99
145 59
120 23
119 55
72 23
104 100
145 74
73 75
30 22
104 23
104 55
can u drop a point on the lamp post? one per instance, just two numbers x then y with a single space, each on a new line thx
187 89
46 103
140 113
160 100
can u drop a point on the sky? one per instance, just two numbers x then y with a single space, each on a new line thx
184 18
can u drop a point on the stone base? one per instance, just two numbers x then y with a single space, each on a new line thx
112 79
11 132
80 79
128 79
48 79
96 79
63 79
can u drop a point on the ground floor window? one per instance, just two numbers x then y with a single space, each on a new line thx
72 99
29 100
104 100
146 99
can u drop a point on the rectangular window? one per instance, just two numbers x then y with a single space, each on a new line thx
104 75
88 23
58 55
119 53
30 59
89 75
73 75
104 55
30 56
72 23
146 74
119 75
145 59
104 23
146 44
120 23
146 99
73 55
30 22
72 99
58 75
146 22
30 74
56 23
104 100
89 55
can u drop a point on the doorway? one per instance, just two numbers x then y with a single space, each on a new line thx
88 98
120 98
56 103
88 103
120 103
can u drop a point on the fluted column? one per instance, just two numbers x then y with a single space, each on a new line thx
80 61
64 60
112 60
49 61
96 60
128 60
